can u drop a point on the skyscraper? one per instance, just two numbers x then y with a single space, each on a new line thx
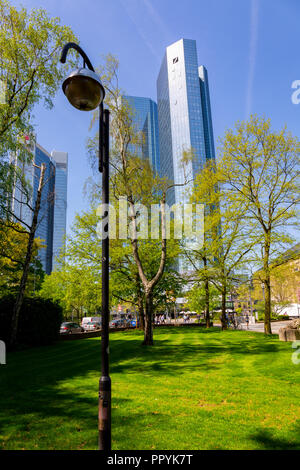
52 215
145 120
46 214
60 202
184 115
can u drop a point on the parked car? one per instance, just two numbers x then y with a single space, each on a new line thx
86 320
92 325
114 323
70 327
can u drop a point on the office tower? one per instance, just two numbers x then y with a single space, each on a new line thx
145 120
44 229
60 202
184 115
52 214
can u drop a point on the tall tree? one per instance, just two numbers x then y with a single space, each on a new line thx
28 258
228 241
133 178
260 169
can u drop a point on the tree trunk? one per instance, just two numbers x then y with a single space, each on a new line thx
267 284
141 313
148 331
149 285
20 295
223 314
206 287
207 317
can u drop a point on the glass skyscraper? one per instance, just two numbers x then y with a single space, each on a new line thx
184 115
52 215
60 203
145 120
44 229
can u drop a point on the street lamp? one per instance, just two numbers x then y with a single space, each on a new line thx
84 90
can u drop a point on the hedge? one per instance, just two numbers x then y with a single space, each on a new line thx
39 321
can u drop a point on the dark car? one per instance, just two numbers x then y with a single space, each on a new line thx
114 323
70 327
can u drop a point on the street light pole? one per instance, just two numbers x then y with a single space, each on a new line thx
104 418
85 92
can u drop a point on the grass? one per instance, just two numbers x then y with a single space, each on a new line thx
194 389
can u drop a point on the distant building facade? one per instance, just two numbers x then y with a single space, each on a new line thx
145 120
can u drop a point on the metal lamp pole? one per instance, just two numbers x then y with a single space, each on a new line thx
84 90
104 418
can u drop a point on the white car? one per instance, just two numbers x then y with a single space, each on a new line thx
92 326
87 320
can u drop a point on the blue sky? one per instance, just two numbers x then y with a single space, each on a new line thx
250 48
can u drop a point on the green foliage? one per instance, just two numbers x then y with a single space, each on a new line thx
30 45
13 245
196 298
260 170
39 321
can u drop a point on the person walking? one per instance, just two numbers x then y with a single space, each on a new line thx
247 321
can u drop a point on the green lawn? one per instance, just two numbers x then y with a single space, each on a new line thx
194 389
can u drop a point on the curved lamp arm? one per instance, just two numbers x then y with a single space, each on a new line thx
73 45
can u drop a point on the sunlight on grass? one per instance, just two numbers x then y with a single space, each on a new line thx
194 389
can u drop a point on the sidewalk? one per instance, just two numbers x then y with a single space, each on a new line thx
275 326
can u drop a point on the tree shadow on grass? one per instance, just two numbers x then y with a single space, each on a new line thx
171 359
265 439
31 382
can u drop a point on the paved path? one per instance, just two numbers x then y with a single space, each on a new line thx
260 326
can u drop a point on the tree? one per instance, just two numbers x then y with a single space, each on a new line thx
76 289
227 242
28 257
133 178
260 168
30 44
197 299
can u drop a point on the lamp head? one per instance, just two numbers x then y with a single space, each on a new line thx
84 89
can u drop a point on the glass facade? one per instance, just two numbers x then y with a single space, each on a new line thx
145 120
51 226
60 203
46 215
184 115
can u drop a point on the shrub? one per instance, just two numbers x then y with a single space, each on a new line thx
283 317
39 321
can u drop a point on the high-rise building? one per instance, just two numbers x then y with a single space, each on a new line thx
145 120
44 229
52 214
60 203
184 115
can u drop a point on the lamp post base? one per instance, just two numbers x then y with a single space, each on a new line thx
104 417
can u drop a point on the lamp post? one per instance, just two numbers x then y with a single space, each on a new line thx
84 90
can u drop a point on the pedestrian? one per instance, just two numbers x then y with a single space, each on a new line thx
247 321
